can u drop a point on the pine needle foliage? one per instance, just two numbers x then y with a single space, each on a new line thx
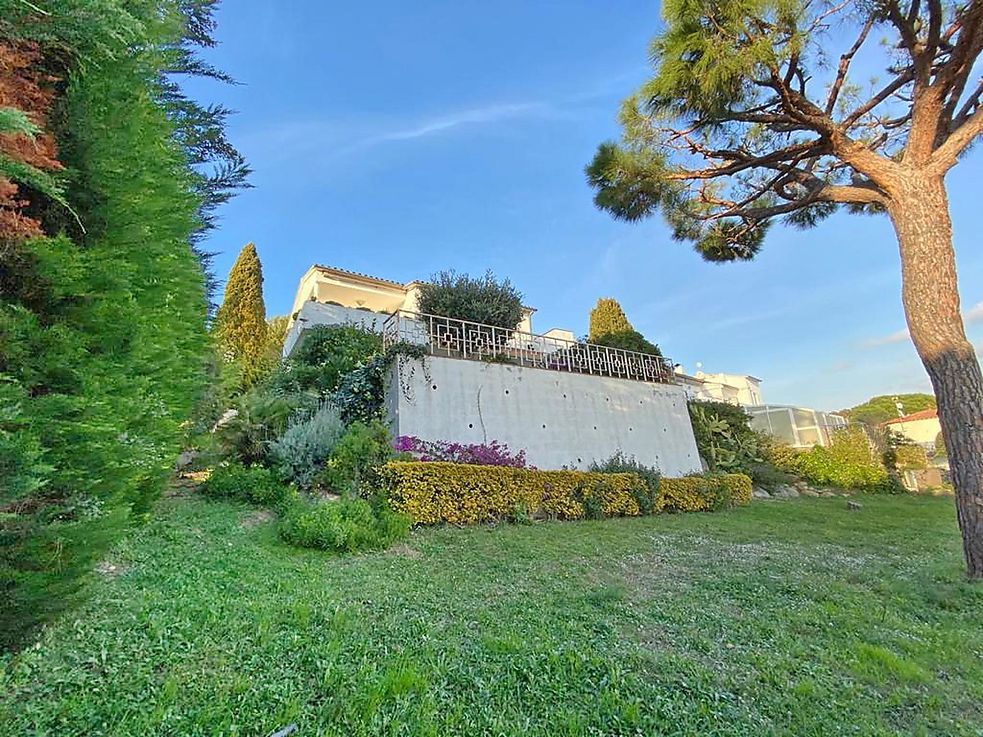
240 325
765 111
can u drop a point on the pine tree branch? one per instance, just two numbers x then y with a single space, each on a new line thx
947 155
844 67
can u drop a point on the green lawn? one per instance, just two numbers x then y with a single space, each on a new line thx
798 618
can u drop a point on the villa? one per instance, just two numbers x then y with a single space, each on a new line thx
567 403
330 296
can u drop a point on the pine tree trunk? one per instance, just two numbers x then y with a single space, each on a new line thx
920 213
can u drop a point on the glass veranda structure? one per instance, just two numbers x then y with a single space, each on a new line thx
797 426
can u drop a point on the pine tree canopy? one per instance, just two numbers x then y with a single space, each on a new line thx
755 113
772 109
240 324
883 408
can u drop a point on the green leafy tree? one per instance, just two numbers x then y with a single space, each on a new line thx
609 326
240 324
882 408
755 113
483 299
324 356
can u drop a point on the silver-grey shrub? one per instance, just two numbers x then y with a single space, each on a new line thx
301 451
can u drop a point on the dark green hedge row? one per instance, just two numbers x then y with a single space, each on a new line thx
102 323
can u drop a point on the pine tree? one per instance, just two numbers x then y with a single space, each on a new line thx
609 326
240 325
606 318
745 123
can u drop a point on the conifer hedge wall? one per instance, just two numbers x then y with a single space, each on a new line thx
104 302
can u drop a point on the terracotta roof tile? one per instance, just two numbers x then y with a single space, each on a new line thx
359 274
925 414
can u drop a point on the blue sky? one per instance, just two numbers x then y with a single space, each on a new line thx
398 139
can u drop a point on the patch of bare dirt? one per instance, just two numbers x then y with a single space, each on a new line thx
405 551
111 570
257 518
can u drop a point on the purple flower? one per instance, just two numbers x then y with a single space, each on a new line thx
493 453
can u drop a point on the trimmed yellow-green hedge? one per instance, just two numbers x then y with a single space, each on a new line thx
703 493
436 492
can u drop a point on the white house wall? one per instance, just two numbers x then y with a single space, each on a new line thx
316 313
559 419
923 432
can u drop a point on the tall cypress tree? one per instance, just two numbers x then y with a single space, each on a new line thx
240 325
609 326
606 318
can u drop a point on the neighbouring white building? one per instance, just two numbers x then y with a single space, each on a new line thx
919 427
740 389
800 427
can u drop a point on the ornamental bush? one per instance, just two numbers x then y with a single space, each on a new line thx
620 463
483 299
849 462
305 445
347 525
261 417
436 492
326 354
493 453
362 391
352 465
256 485
706 493
465 494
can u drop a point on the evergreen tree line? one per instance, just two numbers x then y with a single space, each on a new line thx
108 178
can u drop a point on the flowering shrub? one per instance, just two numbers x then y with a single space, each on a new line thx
484 454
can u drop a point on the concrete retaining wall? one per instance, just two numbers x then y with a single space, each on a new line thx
560 419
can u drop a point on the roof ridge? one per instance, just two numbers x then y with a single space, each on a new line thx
922 414
359 273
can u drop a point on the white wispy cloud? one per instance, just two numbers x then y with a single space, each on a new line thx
973 314
473 116
740 319
898 336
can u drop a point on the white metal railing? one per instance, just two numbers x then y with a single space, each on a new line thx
446 336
